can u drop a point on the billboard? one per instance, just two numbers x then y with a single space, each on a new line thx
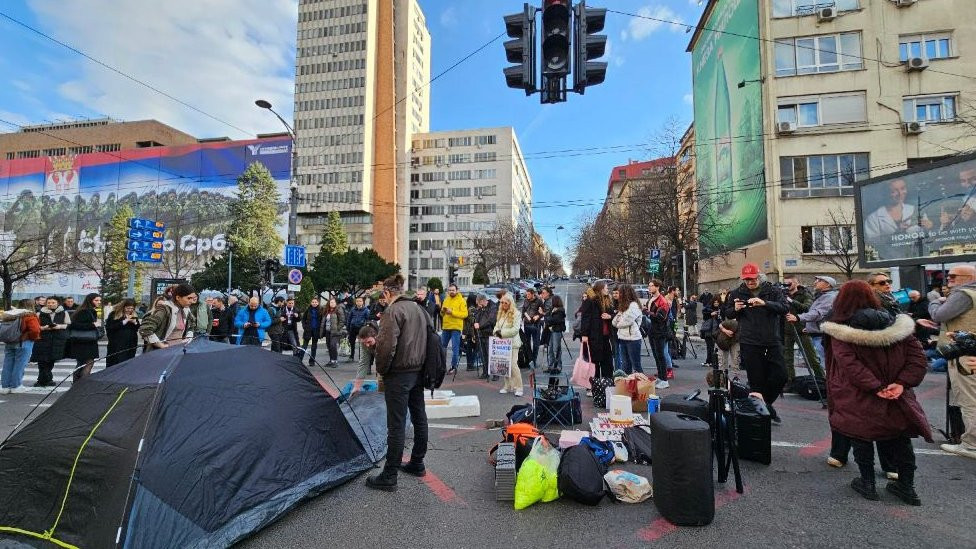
918 216
728 128
189 188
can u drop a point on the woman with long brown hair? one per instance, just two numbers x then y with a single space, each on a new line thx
627 321
595 328
83 335
873 361
333 328
122 328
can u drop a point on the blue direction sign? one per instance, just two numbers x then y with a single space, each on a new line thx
144 257
146 235
150 224
295 256
140 246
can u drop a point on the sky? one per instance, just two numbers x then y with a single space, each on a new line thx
216 57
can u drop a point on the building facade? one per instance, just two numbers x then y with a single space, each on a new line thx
88 136
844 90
463 184
361 74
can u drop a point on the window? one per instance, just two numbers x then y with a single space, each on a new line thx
485 140
827 239
817 54
931 108
622 173
797 8
929 46
822 175
823 110
459 141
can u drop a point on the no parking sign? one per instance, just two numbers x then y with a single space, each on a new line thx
295 276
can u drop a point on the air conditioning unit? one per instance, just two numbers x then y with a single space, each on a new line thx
826 14
916 64
904 3
786 127
914 128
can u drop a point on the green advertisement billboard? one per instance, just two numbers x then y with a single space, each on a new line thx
728 128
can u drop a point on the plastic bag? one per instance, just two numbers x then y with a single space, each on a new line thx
538 478
628 487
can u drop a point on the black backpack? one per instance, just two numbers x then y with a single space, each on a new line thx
581 476
806 386
638 439
435 359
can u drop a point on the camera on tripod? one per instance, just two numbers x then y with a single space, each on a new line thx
963 344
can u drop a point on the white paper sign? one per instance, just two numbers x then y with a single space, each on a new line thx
499 356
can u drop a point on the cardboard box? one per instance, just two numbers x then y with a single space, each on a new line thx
644 388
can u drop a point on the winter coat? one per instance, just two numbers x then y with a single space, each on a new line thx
30 327
261 316
557 319
864 355
459 311
485 318
658 312
204 320
819 311
758 325
357 318
161 323
376 311
723 341
627 323
691 313
290 324
401 344
277 327
800 301
509 329
336 320
224 322
531 308
122 340
314 332
591 326
84 351
50 348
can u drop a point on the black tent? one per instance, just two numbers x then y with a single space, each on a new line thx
196 446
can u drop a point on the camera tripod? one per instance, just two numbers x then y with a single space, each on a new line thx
807 362
721 409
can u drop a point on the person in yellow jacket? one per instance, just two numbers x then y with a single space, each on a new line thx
453 312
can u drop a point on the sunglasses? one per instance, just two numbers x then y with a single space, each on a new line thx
953 276
881 283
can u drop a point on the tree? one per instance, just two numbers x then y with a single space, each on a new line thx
502 246
115 273
35 242
352 271
434 283
305 295
832 242
253 230
480 275
334 239
213 276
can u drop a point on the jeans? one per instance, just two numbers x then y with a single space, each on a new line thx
15 359
290 342
817 341
657 348
555 357
309 338
533 334
404 391
630 353
454 338
332 342
765 370
618 361
353 334
667 353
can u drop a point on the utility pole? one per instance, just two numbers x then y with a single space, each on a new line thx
230 269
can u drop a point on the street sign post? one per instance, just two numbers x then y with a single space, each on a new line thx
654 261
295 276
295 256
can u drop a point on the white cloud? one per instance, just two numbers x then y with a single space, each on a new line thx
13 118
689 98
610 54
449 17
652 18
216 56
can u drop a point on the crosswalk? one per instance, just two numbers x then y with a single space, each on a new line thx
62 370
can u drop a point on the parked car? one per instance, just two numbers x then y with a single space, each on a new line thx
516 291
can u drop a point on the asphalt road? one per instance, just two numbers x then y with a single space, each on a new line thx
798 501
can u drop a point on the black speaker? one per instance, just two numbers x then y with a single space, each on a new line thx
753 431
681 466
694 407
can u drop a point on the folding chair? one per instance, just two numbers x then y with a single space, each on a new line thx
556 402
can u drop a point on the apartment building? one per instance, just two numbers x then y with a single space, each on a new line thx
360 95
463 183
833 93
88 136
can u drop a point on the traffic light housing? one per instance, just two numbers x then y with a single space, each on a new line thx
588 46
452 274
555 38
521 50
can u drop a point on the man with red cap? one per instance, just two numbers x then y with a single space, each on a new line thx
760 307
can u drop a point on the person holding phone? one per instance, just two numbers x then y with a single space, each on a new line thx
251 323
122 328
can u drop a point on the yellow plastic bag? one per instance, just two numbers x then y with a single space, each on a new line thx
538 477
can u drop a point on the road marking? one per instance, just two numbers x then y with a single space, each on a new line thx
925 451
662 526
45 405
451 426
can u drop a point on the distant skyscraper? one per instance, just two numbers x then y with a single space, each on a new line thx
361 74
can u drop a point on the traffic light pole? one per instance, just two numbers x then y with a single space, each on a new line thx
132 281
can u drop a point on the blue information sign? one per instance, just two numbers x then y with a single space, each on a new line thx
655 253
146 235
295 256
137 223
140 246
144 257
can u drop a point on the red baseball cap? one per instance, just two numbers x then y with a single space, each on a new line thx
749 270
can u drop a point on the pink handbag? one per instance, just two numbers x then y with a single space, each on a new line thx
583 370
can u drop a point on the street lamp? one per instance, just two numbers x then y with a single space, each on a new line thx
293 197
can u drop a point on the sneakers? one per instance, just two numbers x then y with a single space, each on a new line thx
891 475
413 468
518 393
382 481
4 391
20 389
904 493
959 450
502 391
866 489
834 462
661 384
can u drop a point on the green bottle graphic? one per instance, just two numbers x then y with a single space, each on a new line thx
723 187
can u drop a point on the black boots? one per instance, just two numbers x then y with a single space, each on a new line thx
905 492
865 488
414 468
385 480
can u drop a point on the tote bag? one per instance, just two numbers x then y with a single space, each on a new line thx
583 370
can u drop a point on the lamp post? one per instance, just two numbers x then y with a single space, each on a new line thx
293 197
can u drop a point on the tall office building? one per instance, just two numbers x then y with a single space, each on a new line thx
361 75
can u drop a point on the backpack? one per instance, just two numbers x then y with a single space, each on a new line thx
601 450
523 435
435 359
638 443
10 331
581 476
806 387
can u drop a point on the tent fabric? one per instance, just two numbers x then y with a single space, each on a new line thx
204 445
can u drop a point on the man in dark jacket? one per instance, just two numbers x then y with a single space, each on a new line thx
798 301
223 322
532 322
658 311
357 317
759 307
276 332
918 309
484 322
401 348
691 314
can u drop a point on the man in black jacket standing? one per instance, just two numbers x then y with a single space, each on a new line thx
760 307
532 322
484 323
223 322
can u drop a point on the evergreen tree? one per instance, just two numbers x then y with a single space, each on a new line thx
434 282
305 295
480 275
253 230
334 239
350 271
115 281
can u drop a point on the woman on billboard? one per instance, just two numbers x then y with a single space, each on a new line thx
895 217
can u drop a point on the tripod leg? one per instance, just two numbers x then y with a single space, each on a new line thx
806 362
566 346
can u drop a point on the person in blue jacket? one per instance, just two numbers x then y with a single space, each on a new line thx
251 323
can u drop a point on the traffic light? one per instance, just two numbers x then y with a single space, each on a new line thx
451 274
587 46
521 50
555 38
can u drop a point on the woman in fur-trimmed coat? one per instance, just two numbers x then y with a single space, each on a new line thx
873 362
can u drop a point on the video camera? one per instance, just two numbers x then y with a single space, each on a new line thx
963 344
